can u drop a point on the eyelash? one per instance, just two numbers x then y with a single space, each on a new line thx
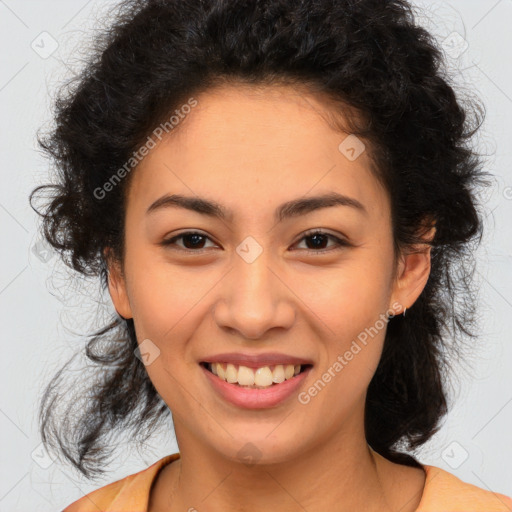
340 244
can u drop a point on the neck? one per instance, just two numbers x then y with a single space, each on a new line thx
347 477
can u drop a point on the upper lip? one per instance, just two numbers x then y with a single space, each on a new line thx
256 360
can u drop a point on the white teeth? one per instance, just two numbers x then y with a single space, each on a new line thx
289 370
278 374
245 376
261 377
231 373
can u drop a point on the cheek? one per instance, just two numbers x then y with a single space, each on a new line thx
348 298
352 304
164 296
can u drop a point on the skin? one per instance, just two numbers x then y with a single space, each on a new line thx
252 150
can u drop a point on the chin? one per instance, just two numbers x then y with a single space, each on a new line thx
261 449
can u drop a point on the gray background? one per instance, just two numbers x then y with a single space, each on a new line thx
44 311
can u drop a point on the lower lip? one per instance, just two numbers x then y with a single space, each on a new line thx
254 398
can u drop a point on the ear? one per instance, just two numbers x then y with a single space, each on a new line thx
412 273
117 286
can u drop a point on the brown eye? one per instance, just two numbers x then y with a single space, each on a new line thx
192 241
318 240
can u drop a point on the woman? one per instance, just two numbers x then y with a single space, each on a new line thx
277 196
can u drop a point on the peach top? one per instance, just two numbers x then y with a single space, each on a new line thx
443 492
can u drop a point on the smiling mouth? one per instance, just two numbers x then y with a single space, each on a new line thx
256 378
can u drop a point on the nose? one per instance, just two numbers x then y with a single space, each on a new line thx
254 299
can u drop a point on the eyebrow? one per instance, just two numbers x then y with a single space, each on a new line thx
293 208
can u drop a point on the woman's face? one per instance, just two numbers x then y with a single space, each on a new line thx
255 282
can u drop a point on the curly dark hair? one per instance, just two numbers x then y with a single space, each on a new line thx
383 73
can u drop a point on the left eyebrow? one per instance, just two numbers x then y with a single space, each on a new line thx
293 208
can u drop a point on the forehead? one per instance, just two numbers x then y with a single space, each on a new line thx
255 147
